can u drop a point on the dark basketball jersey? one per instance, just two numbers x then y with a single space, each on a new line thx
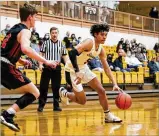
10 47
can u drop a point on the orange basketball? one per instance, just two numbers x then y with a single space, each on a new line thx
123 101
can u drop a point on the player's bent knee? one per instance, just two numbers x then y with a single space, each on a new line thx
37 95
101 92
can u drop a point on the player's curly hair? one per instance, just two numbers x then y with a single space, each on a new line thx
99 28
27 10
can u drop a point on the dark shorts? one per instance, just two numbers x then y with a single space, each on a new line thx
11 77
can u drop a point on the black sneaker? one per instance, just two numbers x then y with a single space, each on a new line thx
40 109
7 120
57 109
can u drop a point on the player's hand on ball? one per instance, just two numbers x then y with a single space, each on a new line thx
77 80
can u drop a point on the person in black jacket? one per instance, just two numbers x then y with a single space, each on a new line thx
110 62
67 41
153 12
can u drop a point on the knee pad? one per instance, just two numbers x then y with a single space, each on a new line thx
25 100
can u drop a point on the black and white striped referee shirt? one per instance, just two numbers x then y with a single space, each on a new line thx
53 50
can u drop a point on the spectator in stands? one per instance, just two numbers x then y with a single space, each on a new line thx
141 54
120 44
34 44
95 64
58 8
67 41
153 66
73 40
105 14
153 12
40 42
110 61
116 5
135 43
156 47
77 10
128 50
125 44
121 41
35 33
52 7
4 32
118 64
79 40
46 37
134 47
70 9
132 62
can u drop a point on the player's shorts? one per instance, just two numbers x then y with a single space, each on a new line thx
88 75
11 77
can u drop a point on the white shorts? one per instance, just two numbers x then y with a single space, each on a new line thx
88 75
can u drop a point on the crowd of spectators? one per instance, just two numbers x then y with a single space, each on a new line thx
132 53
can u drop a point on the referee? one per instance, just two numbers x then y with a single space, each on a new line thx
52 49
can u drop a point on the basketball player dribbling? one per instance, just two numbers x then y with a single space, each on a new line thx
79 70
16 43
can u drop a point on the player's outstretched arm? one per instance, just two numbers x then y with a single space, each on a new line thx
24 40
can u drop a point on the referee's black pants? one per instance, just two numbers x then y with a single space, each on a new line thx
55 76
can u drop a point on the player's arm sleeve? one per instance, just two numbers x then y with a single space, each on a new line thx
73 58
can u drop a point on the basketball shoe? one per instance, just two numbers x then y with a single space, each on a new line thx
63 96
7 120
110 118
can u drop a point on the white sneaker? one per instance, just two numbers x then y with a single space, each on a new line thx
63 96
110 118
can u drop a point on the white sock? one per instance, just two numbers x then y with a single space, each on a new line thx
107 111
11 111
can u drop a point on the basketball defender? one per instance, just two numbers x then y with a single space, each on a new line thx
16 43
79 70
